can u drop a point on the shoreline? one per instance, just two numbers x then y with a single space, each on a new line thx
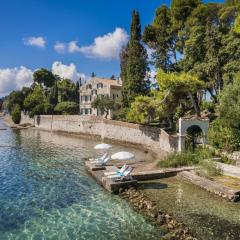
147 207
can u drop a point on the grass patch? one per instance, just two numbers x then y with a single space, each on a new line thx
186 158
226 160
208 169
201 158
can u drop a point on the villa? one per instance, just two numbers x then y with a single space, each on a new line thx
98 87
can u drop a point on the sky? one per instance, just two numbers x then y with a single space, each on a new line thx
73 38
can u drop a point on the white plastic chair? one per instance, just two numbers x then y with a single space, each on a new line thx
99 159
104 162
121 171
125 175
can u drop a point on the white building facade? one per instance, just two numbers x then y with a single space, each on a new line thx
98 87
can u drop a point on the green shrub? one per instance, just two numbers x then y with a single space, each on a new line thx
43 108
208 105
67 108
120 114
16 114
178 160
226 160
208 169
222 137
185 158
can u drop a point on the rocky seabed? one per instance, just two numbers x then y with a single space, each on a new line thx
172 229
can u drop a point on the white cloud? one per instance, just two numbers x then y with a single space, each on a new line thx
14 79
35 41
60 47
18 77
73 47
104 47
67 71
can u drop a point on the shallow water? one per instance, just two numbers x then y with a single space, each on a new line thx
208 216
45 192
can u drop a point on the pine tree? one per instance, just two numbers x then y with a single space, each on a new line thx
158 37
137 64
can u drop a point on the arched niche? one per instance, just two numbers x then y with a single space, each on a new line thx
185 124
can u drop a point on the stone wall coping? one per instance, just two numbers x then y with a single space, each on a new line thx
109 121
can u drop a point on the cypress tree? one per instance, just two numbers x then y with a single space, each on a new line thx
137 65
123 75
77 88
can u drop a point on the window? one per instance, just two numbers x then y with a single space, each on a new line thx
99 85
89 86
85 98
86 111
113 96
94 92
90 111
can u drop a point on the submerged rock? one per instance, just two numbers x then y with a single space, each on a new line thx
168 226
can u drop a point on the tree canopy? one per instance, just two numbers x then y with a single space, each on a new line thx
104 104
44 77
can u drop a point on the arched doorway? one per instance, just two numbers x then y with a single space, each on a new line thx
194 129
194 138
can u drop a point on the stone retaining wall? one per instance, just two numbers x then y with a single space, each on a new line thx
154 138
234 156
229 170
26 119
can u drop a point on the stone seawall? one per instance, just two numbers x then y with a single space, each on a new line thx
25 119
155 139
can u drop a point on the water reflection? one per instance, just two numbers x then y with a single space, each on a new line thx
45 192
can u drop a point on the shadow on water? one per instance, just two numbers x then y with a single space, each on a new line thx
153 185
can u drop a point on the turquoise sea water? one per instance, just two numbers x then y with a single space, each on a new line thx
45 192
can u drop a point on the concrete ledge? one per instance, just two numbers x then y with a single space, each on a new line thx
216 188
229 170
114 187
109 184
157 174
92 167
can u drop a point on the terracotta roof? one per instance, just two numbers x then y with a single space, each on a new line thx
108 81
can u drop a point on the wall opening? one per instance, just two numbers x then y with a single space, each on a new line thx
192 133
194 138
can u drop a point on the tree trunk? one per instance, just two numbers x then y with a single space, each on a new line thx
106 114
195 105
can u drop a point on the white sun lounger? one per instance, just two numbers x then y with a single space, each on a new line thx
102 163
122 176
121 171
99 159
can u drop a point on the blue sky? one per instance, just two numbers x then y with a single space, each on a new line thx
31 28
